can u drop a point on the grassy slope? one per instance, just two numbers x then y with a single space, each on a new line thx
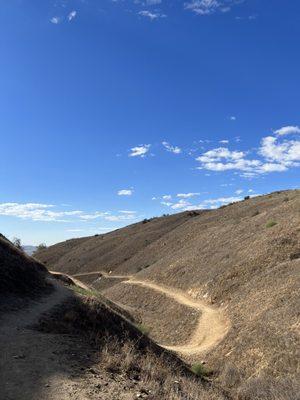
230 257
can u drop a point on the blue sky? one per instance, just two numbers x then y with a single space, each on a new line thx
113 111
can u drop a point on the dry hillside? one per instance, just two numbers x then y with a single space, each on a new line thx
69 344
241 261
20 275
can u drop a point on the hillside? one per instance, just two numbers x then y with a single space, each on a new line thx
242 260
21 276
72 344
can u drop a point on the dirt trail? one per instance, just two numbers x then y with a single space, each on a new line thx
212 326
35 365
105 274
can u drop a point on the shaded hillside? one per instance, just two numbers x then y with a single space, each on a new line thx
242 259
20 275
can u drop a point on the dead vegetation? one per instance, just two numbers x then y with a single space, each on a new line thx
123 351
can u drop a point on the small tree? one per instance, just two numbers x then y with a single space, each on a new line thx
17 243
41 246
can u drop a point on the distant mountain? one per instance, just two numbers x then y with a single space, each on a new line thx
29 249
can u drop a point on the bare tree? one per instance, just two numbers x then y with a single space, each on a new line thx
17 243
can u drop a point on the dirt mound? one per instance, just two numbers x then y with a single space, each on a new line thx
20 275
242 259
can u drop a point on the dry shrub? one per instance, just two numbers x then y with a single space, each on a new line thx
124 351
230 377
269 389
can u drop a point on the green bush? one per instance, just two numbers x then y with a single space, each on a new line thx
200 370
145 330
270 224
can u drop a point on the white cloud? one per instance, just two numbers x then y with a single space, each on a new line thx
166 203
239 191
47 213
207 7
288 130
167 197
232 118
139 151
92 216
55 20
72 15
182 204
225 141
152 15
120 217
125 192
222 200
172 149
187 195
285 153
35 212
277 156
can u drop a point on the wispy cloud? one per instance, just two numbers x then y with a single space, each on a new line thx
171 149
36 212
288 130
48 213
72 15
125 192
55 20
139 151
187 195
207 7
152 15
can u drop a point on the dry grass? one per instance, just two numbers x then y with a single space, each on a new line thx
226 256
124 352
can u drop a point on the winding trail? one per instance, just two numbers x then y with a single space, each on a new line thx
211 328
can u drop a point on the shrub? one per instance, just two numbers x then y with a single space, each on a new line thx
41 246
145 330
200 370
270 224
247 198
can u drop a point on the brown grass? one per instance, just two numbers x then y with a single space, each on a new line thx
227 257
124 351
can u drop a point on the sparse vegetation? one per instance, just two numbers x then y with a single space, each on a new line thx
85 292
259 278
126 354
255 213
270 224
145 330
200 370
17 243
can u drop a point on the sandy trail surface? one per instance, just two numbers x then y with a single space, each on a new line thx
211 328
